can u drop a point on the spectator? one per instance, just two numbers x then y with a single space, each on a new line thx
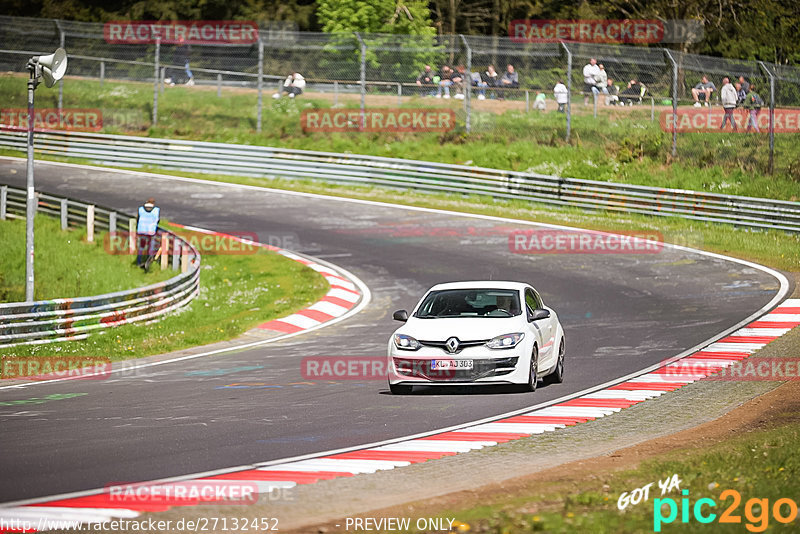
181 57
146 230
445 82
613 93
753 103
728 97
425 79
702 91
740 93
589 72
490 79
631 94
561 95
540 102
458 81
601 80
510 78
293 85
745 84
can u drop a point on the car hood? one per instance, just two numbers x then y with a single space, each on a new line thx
465 329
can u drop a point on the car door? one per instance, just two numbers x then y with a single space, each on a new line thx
543 326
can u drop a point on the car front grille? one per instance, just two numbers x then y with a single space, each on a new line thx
481 369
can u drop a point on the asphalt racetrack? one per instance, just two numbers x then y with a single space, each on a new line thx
621 313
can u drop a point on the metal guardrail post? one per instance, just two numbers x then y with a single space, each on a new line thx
652 109
156 70
219 85
527 101
3 202
64 212
176 250
102 72
90 223
674 102
399 94
569 89
362 80
594 97
468 86
260 83
112 221
132 235
164 251
771 165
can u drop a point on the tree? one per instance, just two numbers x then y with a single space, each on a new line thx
375 16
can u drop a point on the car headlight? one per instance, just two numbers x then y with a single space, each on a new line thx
404 342
506 341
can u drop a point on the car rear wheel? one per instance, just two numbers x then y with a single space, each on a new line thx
533 374
557 376
400 389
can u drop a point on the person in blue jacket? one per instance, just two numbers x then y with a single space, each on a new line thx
146 232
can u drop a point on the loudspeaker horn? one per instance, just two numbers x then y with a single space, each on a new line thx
53 66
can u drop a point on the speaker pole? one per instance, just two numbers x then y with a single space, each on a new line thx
30 211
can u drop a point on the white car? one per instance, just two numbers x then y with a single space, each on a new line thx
472 333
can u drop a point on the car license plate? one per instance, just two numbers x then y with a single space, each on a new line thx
450 365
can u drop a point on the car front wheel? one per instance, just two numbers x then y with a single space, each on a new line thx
533 375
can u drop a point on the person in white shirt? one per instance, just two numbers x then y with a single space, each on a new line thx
294 85
729 99
561 95
589 72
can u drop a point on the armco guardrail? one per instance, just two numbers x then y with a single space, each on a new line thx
244 160
75 318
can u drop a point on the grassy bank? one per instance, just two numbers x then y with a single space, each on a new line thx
760 464
237 292
65 265
621 145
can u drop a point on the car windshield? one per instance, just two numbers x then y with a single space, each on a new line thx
470 303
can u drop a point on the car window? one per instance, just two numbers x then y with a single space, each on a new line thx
539 301
470 303
530 300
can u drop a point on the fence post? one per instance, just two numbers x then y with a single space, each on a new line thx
594 95
164 251
468 85
102 72
363 79
771 77
112 222
64 213
156 70
184 259
62 41
399 94
90 223
219 85
652 109
527 101
176 250
674 102
132 235
569 89
3 202
260 81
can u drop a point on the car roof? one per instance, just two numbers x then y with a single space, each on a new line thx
481 284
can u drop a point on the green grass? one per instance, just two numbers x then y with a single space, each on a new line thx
763 465
620 146
237 292
65 264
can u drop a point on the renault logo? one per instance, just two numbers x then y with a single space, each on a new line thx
452 345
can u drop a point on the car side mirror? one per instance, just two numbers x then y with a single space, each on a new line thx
400 315
538 313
